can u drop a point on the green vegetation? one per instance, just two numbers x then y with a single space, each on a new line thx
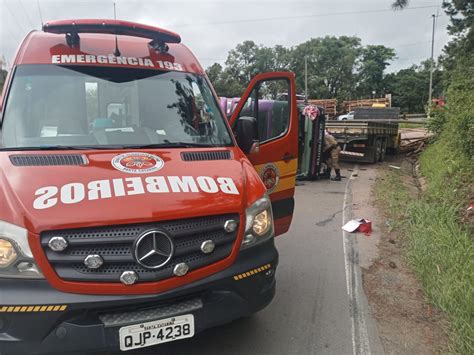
439 249
338 67
411 125
409 87
438 234
3 75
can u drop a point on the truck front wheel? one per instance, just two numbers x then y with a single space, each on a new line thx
383 149
378 150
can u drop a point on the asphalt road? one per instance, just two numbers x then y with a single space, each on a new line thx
314 311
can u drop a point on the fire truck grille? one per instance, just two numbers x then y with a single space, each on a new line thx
115 246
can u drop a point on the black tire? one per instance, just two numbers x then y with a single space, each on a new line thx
378 150
383 151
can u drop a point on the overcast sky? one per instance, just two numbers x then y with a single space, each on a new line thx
212 28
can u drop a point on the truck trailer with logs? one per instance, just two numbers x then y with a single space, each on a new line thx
369 136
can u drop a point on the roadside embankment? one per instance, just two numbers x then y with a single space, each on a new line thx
434 224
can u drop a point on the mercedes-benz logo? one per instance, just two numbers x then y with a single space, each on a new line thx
153 249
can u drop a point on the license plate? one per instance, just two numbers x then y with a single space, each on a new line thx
157 332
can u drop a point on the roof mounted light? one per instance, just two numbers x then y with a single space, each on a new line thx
71 28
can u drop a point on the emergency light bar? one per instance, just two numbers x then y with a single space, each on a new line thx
71 28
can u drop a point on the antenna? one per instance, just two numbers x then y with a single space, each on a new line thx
39 10
117 51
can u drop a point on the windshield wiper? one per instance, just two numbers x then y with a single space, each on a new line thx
170 145
61 147
115 147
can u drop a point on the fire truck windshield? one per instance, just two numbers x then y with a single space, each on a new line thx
79 107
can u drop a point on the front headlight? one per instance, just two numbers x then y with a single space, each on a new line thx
259 222
16 259
7 253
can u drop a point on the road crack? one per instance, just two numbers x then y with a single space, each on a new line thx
327 220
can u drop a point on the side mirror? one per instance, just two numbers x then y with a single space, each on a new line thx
247 133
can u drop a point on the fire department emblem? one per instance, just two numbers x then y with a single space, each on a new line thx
270 177
137 163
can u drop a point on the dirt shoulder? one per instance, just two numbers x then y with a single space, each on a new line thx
406 322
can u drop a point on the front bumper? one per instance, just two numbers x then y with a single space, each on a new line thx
37 319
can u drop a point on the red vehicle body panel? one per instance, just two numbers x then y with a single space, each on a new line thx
20 184
282 152
40 48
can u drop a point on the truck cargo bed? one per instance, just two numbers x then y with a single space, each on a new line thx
367 140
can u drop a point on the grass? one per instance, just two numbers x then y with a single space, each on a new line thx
437 245
411 125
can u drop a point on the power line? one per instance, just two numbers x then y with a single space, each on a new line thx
18 23
39 11
412 44
402 59
26 15
396 47
263 19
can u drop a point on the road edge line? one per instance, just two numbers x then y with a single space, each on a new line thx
359 332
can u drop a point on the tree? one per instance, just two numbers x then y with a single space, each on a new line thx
243 63
224 83
246 60
214 72
374 60
409 87
331 65
3 76
338 67
400 4
460 50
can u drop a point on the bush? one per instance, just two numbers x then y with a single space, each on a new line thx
439 244
437 121
460 109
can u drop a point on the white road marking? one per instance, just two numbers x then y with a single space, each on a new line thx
360 338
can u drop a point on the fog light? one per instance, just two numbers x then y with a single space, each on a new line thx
181 269
26 266
129 277
57 244
7 253
248 239
269 273
93 261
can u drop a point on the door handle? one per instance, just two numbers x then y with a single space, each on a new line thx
287 157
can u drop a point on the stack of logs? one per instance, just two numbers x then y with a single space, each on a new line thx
351 105
329 105
413 141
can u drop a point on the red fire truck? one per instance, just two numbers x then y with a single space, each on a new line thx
132 212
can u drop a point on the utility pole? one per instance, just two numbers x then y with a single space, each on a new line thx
432 67
306 80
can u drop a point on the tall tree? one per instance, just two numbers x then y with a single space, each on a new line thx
331 65
461 49
214 72
245 60
373 62
224 83
409 87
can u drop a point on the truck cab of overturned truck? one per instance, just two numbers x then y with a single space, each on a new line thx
132 212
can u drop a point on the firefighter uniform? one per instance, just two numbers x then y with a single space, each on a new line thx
332 150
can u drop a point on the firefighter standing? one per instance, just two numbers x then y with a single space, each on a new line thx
331 151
